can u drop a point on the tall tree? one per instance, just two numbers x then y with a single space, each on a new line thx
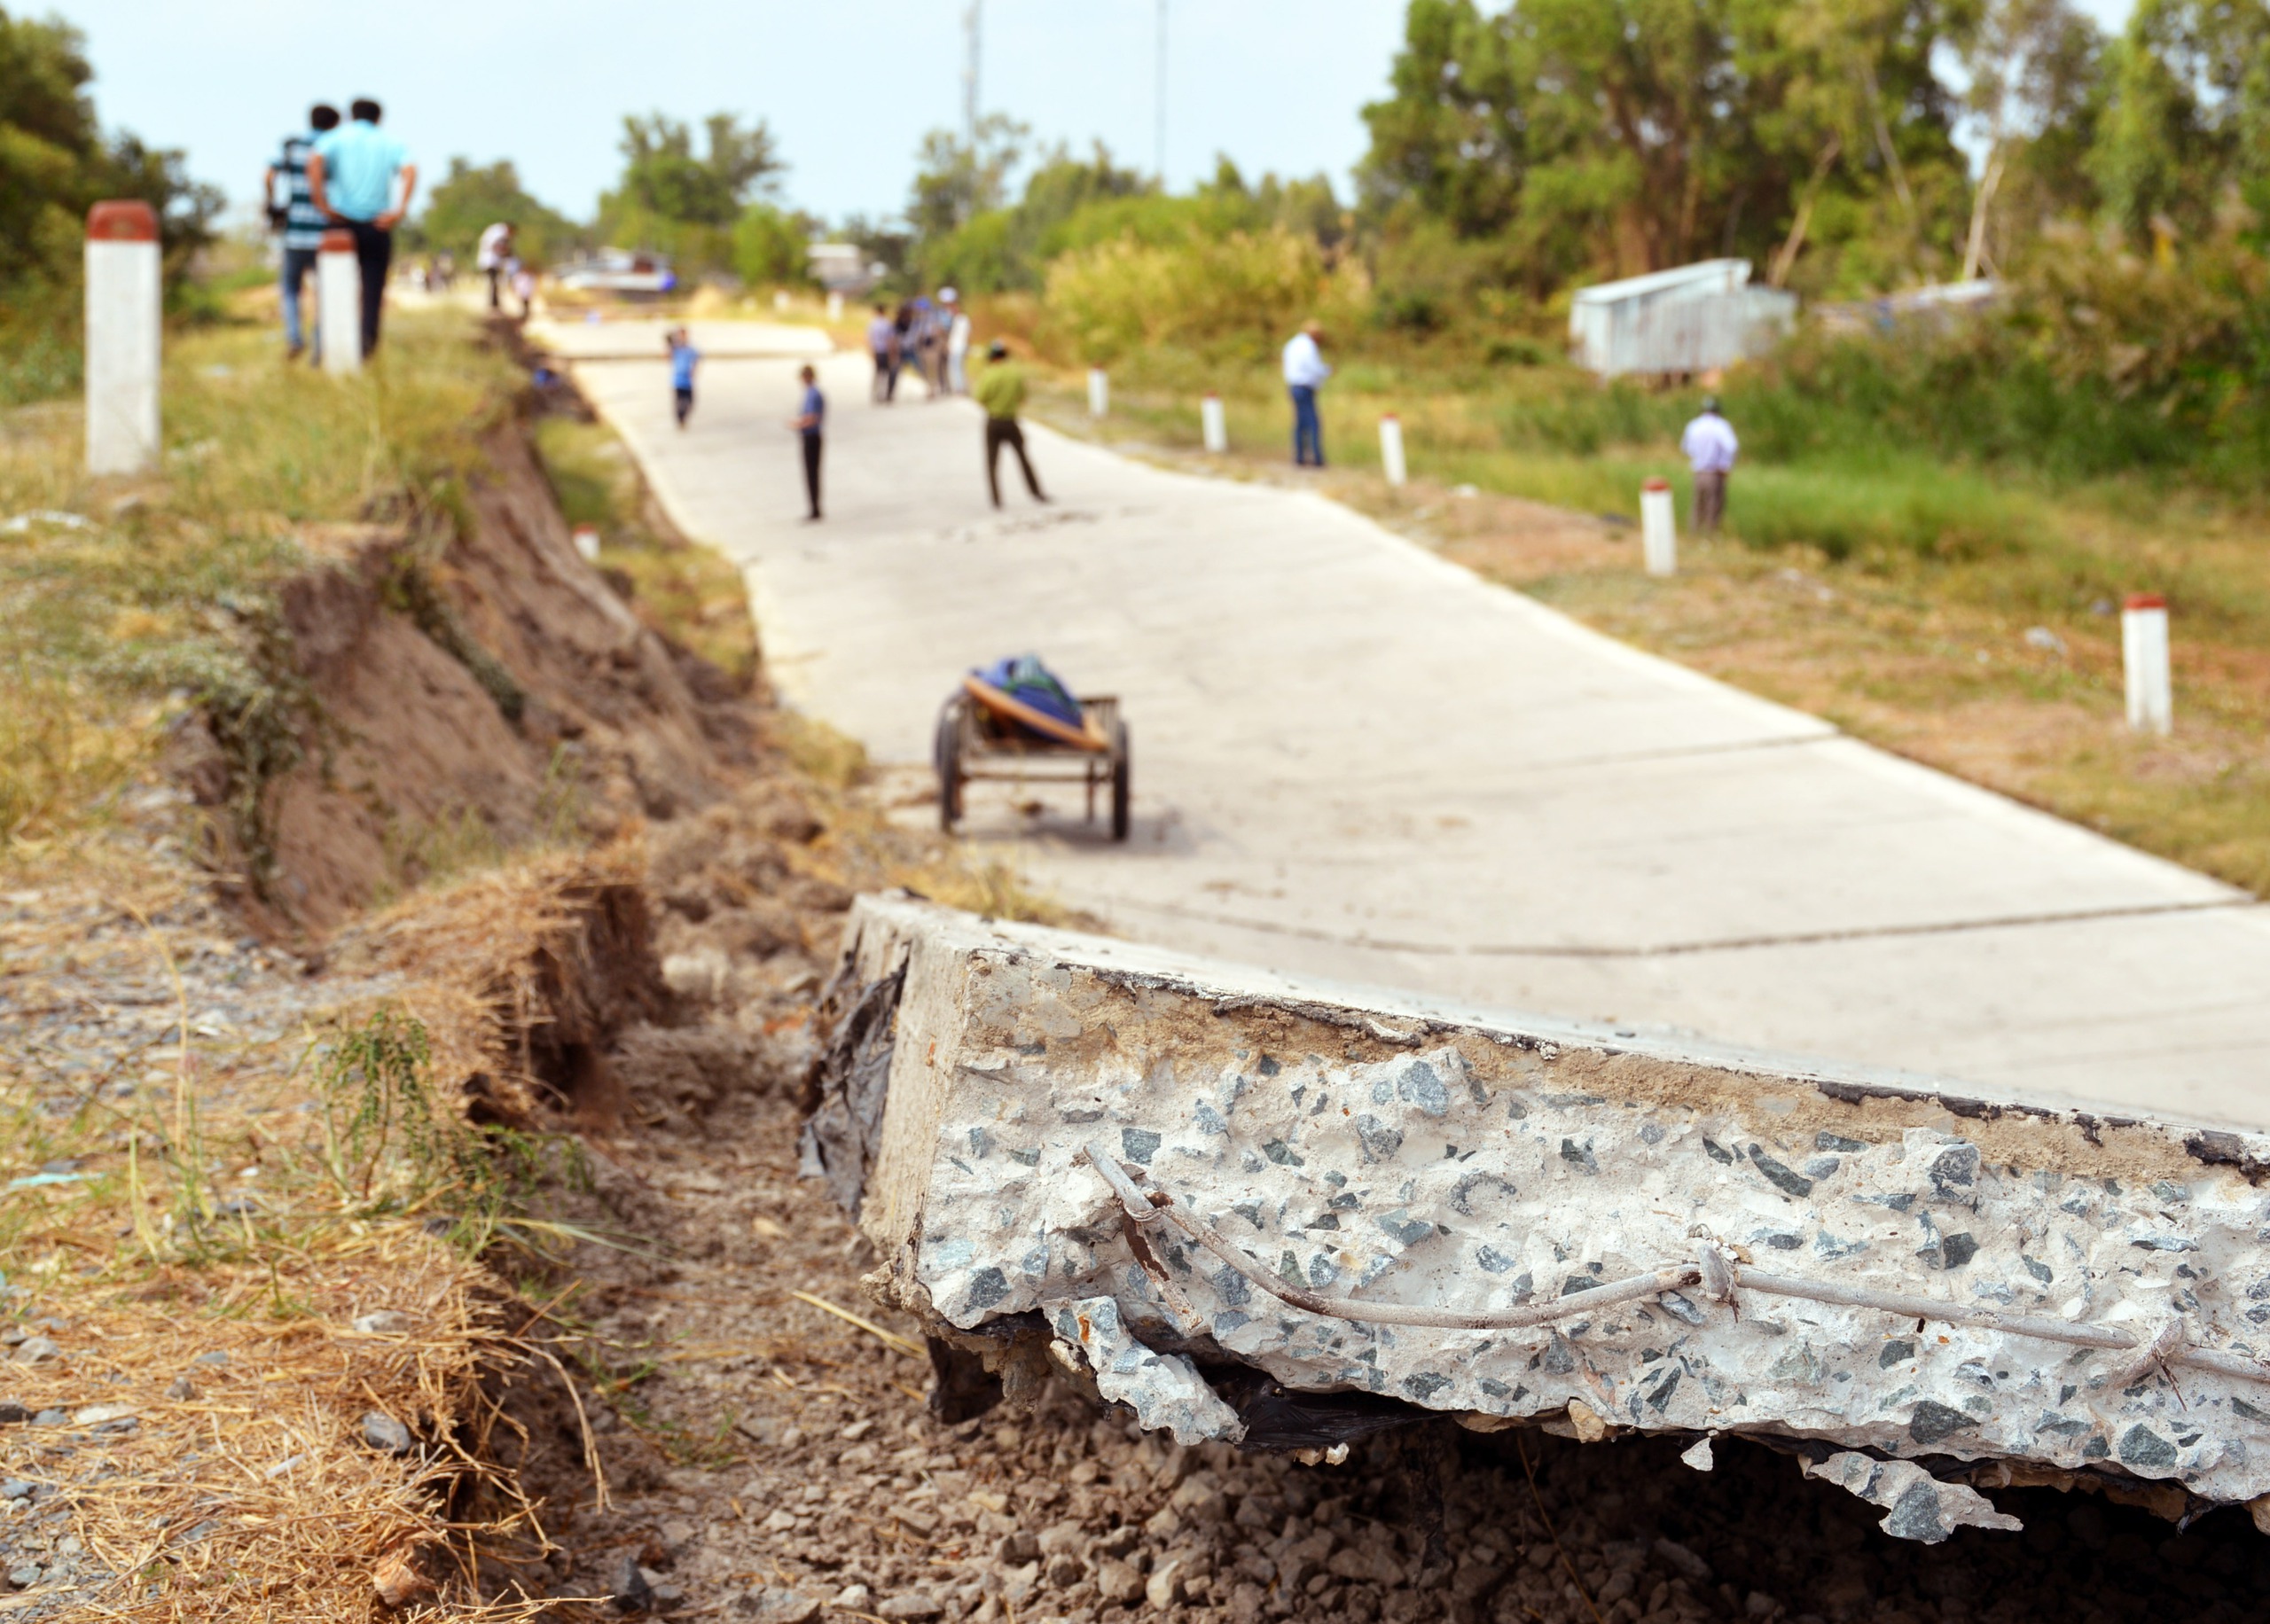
956 179
2188 113
472 197
2031 64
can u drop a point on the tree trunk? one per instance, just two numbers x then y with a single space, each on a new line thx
1786 256
1974 251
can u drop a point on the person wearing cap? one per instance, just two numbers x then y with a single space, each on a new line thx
1001 391
1709 446
957 342
351 176
299 221
1304 374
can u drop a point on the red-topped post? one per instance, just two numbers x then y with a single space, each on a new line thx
2144 662
1658 528
125 337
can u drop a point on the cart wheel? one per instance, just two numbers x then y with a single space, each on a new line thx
1123 773
946 755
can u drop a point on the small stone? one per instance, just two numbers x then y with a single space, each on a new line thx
52 1417
854 1599
95 1414
632 1593
1246 1603
25 1577
1015 1549
12 1414
781 1521
1674 1554
385 1322
1699 1456
1061 1539
386 1434
13 1488
857 1430
772 1604
1163 1589
182 1390
12 1335
912 1604
1117 1583
38 1350
1064 1570
1119 1542
1758 1604
216 1358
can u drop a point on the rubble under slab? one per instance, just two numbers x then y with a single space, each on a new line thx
1652 1232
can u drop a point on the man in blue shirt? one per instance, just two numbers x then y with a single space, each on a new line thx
351 176
811 419
684 357
298 220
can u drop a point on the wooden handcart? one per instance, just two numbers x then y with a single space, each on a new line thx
984 733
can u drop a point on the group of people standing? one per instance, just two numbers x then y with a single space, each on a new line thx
337 174
929 336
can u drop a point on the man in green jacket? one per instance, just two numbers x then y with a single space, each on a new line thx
1001 391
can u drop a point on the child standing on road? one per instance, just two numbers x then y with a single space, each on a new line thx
1001 391
810 421
684 357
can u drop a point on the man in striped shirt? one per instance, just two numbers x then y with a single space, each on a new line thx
298 219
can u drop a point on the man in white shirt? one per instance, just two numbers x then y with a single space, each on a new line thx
1709 445
496 249
1304 374
957 342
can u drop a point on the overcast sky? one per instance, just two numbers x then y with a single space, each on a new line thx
849 86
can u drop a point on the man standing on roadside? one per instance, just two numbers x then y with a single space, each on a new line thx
351 176
811 423
496 249
298 219
1305 375
1001 391
957 344
1709 446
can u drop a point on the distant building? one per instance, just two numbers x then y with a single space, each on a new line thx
840 268
1937 304
619 271
1689 320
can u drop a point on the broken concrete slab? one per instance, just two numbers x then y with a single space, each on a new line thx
1371 1206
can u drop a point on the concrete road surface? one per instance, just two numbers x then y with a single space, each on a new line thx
1354 760
638 337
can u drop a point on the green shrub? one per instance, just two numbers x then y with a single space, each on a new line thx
1238 297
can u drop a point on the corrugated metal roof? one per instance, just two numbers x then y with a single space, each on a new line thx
1728 273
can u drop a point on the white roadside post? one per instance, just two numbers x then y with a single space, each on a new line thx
1391 448
780 298
1099 392
1658 528
835 307
338 303
125 298
587 542
2143 657
1212 421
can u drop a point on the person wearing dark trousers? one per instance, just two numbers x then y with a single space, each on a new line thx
882 341
810 423
1001 391
301 222
1304 374
684 359
351 176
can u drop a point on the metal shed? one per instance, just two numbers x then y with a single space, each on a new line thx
1687 319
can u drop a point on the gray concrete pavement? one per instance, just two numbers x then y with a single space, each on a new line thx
1356 760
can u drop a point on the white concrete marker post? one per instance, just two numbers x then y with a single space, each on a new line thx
1216 427
338 303
1658 528
587 542
1391 448
2143 656
1099 392
125 298
779 298
835 307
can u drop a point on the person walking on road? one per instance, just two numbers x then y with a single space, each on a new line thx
684 359
495 252
882 343
351 176
810 423
1304 374
1709 446
957 343
299 221
1001 391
